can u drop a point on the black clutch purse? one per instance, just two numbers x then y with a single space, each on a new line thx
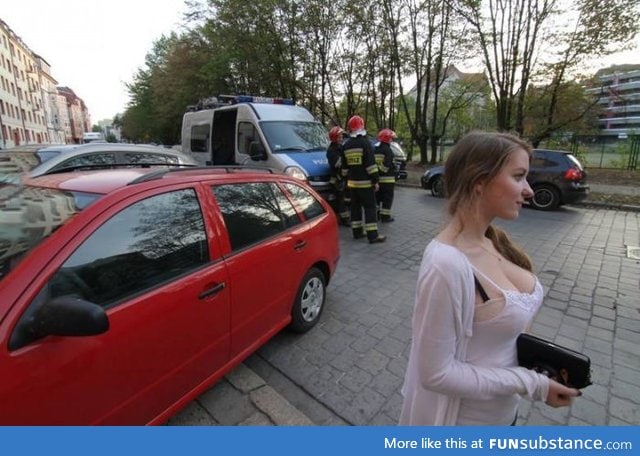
562 364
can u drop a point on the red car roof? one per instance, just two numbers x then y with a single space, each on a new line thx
101 182
106 181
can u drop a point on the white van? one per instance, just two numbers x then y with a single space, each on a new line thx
259 131
92 136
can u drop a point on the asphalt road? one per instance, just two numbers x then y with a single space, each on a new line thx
350 367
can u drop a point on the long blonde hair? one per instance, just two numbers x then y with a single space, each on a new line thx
479 157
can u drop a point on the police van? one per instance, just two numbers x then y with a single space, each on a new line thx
260 131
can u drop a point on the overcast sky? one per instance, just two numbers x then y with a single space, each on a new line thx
95 46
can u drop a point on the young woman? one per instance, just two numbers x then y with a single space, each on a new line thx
475 294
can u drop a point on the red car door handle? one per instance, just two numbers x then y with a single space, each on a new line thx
211 291
300 245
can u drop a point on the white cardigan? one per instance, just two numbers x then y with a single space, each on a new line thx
437 375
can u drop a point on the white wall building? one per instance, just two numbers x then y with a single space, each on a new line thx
619 90
32 109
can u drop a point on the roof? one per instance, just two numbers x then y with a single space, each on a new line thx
99 181
105 181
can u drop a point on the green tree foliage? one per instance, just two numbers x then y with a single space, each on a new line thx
575 111
342 58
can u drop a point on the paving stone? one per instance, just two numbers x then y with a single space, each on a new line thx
631 360
596 393
192 415
603 323
625 391
625 374
227 405
244 379
373 362
624 410
600 333
589 411
364 344
630 335
602 346
572 332
390 347
356 379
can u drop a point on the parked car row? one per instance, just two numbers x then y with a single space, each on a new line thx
128 292
556 177
37 160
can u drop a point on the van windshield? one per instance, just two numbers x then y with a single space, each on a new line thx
287 136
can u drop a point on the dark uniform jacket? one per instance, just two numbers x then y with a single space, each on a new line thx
384 160
358 163
334 156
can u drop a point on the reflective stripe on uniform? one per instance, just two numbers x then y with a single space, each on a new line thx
357 224
359 184
371 227
384 211
387 180
372 169
380 163
353 157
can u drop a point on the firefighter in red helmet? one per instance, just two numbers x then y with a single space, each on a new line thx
384 160
360 169
334 157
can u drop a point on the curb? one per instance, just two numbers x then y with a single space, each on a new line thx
248 401
266 399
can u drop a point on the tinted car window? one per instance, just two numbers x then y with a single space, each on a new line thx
145 157
309 205
253 211
544 160
199 138
146 244
246 135
87 160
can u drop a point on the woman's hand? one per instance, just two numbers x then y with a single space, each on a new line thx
560 395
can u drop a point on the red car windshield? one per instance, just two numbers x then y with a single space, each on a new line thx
29 214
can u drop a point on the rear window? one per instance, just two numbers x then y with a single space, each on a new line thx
28 215
543 159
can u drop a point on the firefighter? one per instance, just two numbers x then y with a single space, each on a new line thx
360 169
387 169
334 156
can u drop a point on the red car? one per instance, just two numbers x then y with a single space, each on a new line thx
124 294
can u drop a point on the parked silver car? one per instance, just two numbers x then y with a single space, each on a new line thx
37 160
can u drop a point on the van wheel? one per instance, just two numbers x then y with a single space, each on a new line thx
545 197
309 301
437 187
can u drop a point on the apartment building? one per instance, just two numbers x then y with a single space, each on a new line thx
618 89
32 108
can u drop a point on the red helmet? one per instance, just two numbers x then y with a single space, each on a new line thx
355 123
335 134
386 135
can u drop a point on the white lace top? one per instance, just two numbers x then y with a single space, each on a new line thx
440 377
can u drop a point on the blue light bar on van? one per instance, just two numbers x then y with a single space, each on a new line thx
268 100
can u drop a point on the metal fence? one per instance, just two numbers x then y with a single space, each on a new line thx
600 151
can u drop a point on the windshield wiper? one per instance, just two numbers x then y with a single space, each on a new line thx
301 148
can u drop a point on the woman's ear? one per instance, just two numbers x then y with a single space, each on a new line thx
478 188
